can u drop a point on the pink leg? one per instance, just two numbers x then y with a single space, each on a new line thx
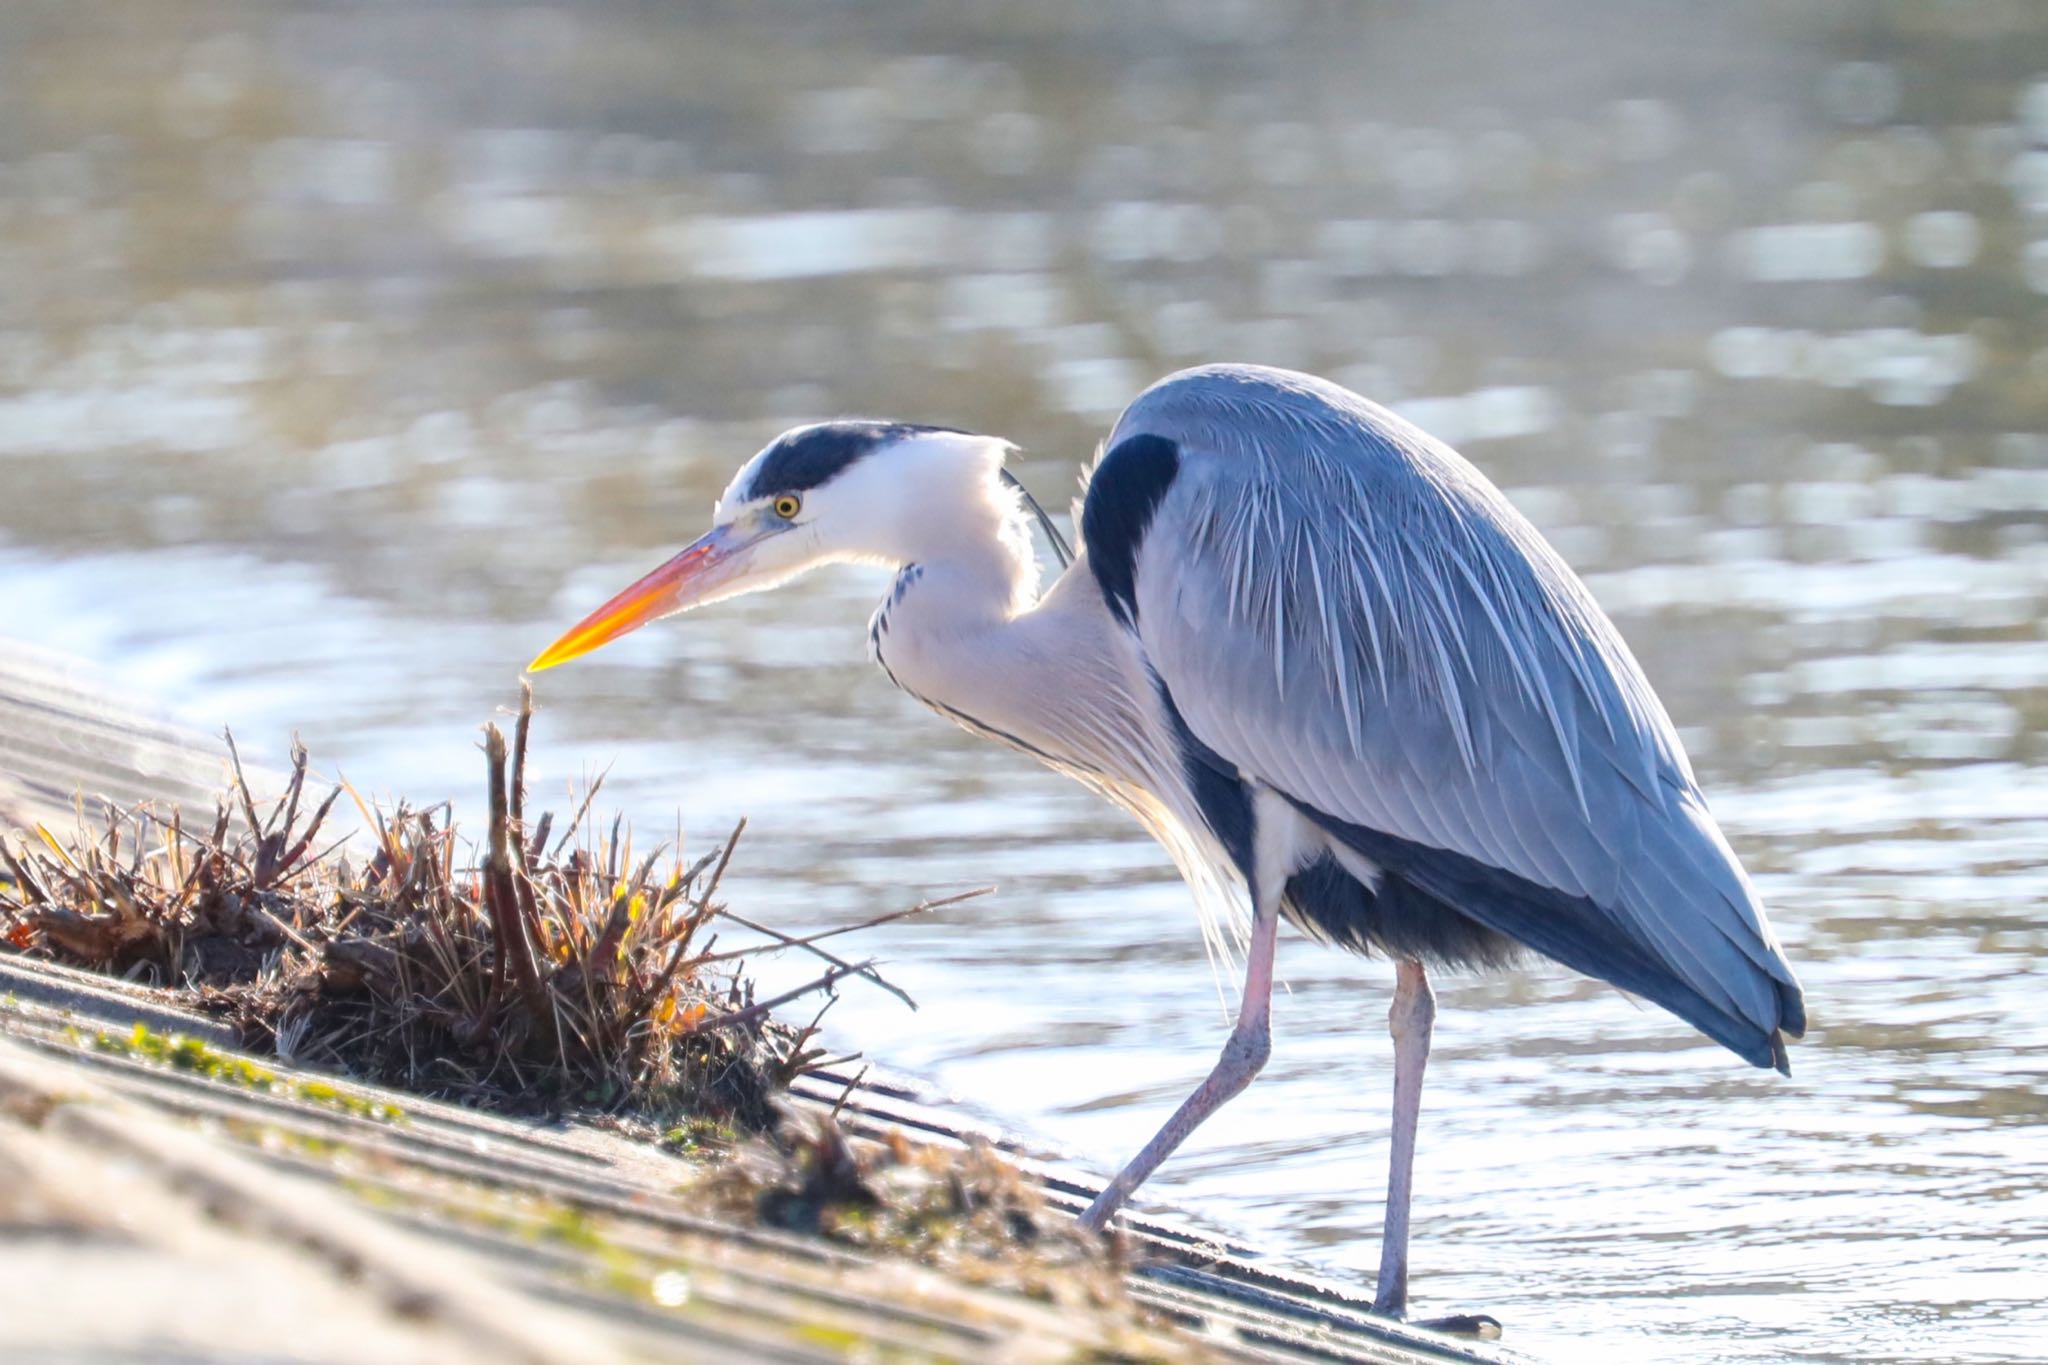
1246 1050
1410 1020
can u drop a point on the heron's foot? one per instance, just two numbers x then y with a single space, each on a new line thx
1478 1326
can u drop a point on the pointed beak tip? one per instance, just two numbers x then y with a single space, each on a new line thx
663 592
550 657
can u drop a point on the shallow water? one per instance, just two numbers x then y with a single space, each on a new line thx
347 354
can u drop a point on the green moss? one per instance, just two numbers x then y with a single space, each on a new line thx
333 1097
270 1135
606 1265
700 1137
375 1195
571 1227
832 1338
181 1053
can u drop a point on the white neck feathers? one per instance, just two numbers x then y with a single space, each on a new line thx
938 500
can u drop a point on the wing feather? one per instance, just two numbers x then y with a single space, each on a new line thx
1350 613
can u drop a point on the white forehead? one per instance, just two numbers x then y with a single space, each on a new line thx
742 479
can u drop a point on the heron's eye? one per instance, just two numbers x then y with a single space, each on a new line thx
788 505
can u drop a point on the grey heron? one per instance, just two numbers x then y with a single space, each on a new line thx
1321 658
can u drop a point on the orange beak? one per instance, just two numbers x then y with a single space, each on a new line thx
685 581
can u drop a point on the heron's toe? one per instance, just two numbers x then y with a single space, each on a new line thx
1478 1326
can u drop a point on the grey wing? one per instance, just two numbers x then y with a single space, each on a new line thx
1348 612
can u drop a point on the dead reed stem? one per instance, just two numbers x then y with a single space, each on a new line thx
581 973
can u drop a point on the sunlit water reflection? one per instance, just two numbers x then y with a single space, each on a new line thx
347 356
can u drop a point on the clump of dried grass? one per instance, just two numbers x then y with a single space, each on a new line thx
532 971
970 1212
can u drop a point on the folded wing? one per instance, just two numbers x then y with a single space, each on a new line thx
1349 612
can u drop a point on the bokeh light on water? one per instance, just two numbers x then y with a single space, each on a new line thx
348 352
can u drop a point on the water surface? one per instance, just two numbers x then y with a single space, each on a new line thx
348 353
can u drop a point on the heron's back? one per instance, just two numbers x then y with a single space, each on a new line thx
1343 609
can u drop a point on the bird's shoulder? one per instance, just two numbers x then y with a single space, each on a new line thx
1236 437
1254 421
1342 608
1325 565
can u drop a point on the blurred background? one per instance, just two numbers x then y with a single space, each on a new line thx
350 351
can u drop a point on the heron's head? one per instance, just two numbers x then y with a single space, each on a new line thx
854 491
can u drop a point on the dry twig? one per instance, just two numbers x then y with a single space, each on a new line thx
515 973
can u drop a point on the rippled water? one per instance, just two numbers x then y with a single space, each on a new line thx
347 353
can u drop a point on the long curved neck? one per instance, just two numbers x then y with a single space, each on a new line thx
964 577
964 631
967 590
938 502
1046 679
950 619
962 552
